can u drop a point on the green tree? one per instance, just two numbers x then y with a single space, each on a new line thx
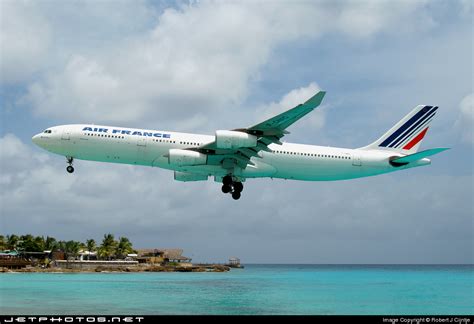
123 248
91 247
61 246
3 243
108 246
71 249
39 244
29 243
50 244
12 241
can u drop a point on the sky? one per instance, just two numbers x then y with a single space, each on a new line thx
199 66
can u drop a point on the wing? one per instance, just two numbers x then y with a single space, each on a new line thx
276 126
267 132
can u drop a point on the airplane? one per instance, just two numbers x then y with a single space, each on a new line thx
232 156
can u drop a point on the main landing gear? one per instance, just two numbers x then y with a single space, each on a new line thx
70 168
231 186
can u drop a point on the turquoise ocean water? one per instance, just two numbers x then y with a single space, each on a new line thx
257 289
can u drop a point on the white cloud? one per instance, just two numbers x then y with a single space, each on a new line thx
188 63
366 18
467 107
467 7
25 38
38 196
292 99
193 60
84 89
37 190
467 117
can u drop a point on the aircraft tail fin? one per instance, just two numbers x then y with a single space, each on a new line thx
406 136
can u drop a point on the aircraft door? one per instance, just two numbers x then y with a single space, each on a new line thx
142 152
66 135
356 161
141 141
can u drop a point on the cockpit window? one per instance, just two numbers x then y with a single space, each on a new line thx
48 131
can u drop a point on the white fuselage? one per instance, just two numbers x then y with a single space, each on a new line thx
151 148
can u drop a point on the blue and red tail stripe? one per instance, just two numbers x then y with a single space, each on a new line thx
416 140
411 127
415 128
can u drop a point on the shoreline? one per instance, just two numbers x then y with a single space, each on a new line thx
115 269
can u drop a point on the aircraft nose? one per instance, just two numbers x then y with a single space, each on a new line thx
36 139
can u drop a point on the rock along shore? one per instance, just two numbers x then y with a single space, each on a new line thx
139 268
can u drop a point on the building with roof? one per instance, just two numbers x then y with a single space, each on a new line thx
87 255
234 263
12 260
163 256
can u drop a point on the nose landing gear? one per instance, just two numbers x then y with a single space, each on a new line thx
231 186
70 168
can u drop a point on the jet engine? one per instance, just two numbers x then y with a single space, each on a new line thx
180 158
226 139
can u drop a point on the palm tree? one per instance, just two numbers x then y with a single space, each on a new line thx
91 246
50 243
12 241
27 243
39 244
61 246
107 248
3 243
124 247
72 248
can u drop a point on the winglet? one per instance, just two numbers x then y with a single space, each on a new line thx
316 99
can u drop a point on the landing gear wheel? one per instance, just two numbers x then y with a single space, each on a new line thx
227 180
70 160
236 195
238 187
226 189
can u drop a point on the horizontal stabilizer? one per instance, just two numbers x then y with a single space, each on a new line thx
419 155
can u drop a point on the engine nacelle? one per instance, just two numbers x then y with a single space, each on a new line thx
179 157
226 139
188 176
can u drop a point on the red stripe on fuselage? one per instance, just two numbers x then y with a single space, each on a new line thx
415 141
